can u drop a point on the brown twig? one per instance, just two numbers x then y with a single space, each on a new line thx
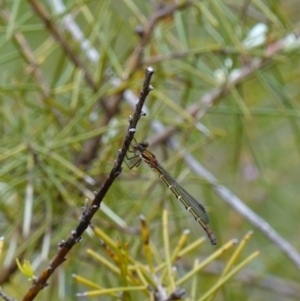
39 9
91 147
88 212
136 58
28 55
191 52
7 271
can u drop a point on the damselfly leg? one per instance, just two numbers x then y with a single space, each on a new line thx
135 157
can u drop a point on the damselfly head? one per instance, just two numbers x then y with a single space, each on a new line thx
144 144
140 146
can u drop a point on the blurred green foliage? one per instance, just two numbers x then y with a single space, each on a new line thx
51 114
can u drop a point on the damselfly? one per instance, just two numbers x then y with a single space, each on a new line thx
193 206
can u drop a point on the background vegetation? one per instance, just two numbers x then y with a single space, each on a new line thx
226 92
